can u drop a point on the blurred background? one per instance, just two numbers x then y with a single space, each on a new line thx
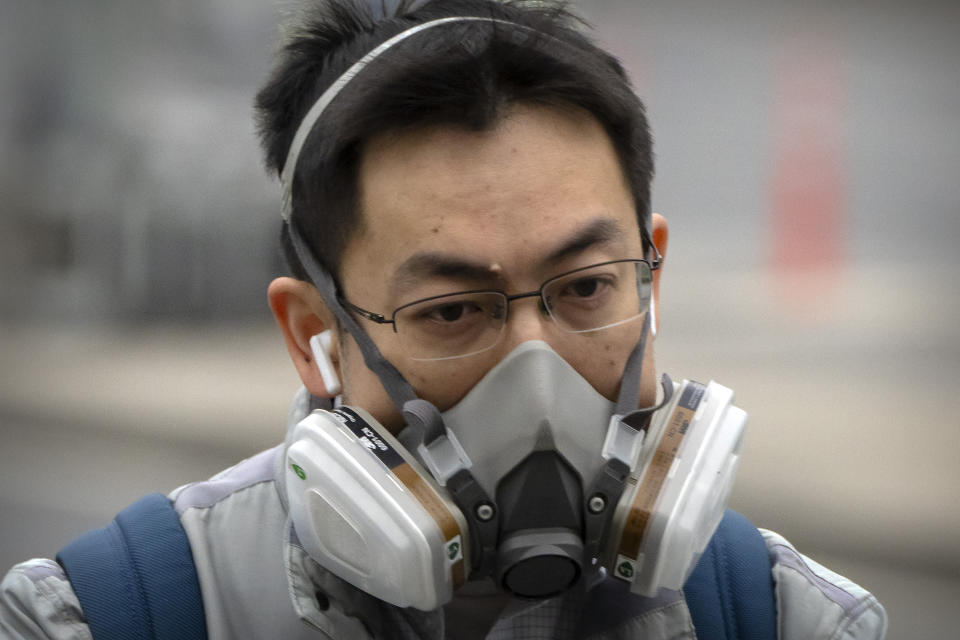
807 161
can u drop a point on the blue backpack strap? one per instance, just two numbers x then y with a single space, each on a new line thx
730 593
135 578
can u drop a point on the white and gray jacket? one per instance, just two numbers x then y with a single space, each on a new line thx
258 582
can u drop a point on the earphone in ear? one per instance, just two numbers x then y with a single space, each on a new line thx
320 346
653 317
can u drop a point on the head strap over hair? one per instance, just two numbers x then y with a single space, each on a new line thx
306 125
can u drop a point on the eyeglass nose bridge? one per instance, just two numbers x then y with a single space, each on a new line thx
541 302
541 306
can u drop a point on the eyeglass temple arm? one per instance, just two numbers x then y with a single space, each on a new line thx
658 259
369 315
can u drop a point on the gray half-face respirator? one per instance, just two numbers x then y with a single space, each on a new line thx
560 490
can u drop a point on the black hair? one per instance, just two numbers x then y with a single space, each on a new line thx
461 73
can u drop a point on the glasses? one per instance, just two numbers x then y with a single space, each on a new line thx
461 324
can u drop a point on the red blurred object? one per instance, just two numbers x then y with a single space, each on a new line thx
809 226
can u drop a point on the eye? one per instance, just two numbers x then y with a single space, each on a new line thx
448 312
451 312
590 292
587 287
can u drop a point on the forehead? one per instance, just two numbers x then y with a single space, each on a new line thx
505 196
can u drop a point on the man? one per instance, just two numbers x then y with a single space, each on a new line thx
476 272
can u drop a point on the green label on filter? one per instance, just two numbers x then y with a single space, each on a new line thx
297 469
454 550
626 568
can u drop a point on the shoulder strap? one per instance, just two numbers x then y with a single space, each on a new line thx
135 578
730 593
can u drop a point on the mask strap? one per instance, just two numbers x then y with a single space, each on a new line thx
396 386
315 111
425 435
627 428
625 436
621 449
629 395
630 383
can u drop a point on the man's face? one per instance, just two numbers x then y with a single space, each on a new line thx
446 209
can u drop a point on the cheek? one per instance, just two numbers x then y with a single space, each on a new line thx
361 388
601 357
444 383
603 368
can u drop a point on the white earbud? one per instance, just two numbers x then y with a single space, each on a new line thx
320 345
653 317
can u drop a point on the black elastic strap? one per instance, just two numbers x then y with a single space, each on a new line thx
393 382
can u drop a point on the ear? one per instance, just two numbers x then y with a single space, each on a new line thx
660 235
301 314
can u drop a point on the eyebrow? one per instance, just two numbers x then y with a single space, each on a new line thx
428 264
599 231
433 264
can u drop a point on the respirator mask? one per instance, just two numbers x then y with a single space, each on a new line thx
534 479
557 490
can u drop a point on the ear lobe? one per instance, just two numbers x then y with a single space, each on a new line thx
301 315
